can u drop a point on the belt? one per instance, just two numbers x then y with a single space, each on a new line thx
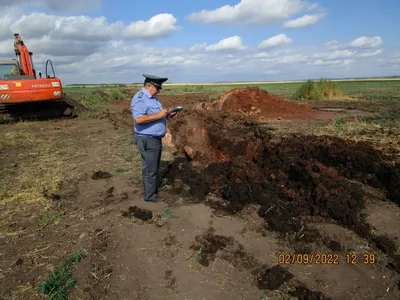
148 136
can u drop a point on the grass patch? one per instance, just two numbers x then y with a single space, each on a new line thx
340 122
34 167
60 280
373 130
12 139
47 218
95 102
25 292
167 213
117 94
322 89
197 256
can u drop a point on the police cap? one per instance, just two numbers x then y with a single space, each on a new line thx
155 80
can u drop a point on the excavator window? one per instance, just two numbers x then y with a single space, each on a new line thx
7 70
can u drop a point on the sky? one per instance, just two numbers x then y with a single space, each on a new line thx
103 41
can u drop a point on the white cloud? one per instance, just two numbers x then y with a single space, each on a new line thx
274 54
161 25
76 35
251 12
359 42
306 20
272 71
370 53
332 44
83 28
335 54
277 58
334 62
198 47
233 43
277 40
367 42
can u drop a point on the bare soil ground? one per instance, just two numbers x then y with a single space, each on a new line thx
252 211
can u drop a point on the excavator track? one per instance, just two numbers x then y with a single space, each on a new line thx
43 110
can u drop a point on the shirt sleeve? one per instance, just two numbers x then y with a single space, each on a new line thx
138 108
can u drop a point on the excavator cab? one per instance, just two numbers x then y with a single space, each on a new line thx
9 68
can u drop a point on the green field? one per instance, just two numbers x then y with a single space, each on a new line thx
380 88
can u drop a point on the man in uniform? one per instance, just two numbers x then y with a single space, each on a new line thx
149 118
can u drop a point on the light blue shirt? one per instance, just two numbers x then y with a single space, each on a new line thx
143 103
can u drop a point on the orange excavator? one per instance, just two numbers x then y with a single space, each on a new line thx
25 96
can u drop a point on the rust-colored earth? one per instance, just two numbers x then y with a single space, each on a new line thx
255 102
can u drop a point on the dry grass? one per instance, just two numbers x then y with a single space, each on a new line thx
380 135
36 168
26 292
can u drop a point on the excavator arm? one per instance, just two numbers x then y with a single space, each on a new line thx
24 56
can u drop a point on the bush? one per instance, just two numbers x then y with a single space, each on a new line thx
317 90
116 94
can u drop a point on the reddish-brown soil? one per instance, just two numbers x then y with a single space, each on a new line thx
255 102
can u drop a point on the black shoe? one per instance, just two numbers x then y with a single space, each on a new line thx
156 199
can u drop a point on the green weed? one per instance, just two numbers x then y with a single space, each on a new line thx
340 122
47 218
198 255
116 94
167 213
60 280
317 90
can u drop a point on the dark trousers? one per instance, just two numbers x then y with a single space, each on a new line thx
150 149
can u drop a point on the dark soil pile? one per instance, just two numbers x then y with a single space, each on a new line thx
303 293
290 177
209 246
272 278
139 213
101 175
254 101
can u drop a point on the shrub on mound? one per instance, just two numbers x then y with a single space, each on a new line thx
317 90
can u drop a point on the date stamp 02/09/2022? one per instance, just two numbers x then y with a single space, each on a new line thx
326 259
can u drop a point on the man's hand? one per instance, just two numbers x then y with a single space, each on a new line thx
163 113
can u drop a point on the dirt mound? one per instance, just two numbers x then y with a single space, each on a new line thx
292 178
256 102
